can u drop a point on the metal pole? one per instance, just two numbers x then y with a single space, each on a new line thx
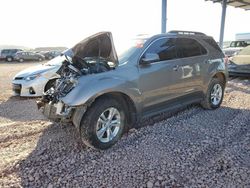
222 25
164 16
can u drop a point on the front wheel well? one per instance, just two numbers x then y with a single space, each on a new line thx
49 84
127 103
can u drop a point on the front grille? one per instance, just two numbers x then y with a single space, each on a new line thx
18 78
17 88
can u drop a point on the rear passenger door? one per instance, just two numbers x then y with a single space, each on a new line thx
192 56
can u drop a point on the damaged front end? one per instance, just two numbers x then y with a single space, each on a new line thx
95 54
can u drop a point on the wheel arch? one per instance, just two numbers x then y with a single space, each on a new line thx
122 98
221 76
47 84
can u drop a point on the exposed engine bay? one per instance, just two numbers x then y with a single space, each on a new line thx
70 71
93 55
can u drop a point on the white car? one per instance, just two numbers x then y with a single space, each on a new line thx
235 47
33 81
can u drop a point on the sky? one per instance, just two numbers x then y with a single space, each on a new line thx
34 23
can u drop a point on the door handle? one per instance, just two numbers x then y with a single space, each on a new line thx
176 67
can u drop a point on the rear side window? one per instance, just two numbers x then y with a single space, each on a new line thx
164 47
189 48
213 44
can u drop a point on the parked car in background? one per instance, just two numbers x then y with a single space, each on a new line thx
8 54
235 47
239 65
32 82
28 56
103 95
51 54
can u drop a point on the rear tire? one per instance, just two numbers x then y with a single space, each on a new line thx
103 124
21 60
214 95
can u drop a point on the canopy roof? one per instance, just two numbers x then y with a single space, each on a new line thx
244 4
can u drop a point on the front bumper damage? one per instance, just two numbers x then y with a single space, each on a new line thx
60 112
55 111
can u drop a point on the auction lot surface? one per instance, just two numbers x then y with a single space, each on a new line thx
193 148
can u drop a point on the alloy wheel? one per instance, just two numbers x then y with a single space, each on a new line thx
216 94
108 125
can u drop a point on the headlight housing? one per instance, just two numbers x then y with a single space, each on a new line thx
32 77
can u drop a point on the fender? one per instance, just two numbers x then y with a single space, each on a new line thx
214 67
92 86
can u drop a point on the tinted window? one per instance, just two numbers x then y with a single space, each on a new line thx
233 44
189 48
165 48
213 44
5 51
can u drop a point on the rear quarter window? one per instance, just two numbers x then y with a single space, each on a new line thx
212 44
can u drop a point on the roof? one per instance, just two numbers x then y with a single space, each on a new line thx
244 4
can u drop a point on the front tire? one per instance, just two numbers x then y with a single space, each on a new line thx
214 95
103 124
9 59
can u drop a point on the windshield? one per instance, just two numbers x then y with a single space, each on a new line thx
59 59
130 48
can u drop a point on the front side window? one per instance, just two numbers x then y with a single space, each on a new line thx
164 48
189 48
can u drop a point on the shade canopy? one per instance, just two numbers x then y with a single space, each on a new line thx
244 4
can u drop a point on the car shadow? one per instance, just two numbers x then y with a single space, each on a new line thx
60 157
20 109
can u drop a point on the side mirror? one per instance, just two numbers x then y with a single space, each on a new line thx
149 58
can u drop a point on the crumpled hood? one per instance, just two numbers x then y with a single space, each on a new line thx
98 45
35 70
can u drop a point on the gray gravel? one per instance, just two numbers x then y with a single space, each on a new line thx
193 148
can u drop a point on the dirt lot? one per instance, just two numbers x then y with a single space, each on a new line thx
193 148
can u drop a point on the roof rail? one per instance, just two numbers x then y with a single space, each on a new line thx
186 32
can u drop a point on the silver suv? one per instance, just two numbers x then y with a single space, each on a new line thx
104 95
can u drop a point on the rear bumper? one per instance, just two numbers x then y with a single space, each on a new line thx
239 73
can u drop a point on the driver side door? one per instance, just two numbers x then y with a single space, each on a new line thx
159 80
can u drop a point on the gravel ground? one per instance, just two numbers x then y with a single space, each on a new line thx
193 148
